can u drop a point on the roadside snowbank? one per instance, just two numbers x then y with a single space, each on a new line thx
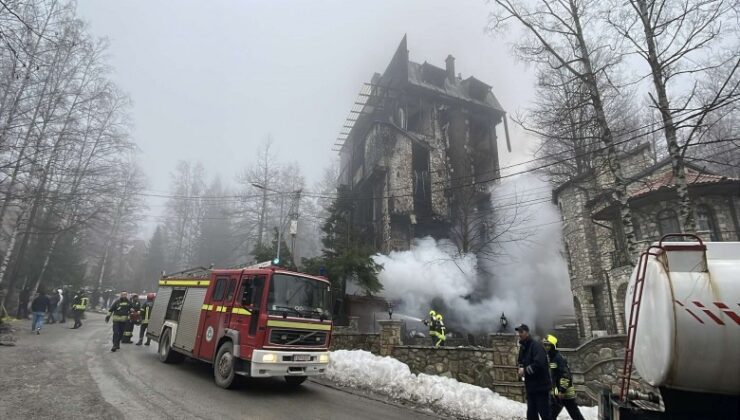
389 377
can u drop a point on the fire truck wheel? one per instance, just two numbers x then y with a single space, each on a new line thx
295 380
166 354
223 366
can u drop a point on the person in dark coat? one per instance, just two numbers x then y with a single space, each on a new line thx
563 392
534 368
39 306
24 299
120 311
53 302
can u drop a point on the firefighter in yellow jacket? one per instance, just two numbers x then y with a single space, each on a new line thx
436 328
563 392
79 304
144 313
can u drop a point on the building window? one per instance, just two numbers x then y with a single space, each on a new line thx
705 221
668 222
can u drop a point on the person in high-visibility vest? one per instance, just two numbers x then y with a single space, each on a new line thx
144 314
79 304
436 328
563 392
133 319
119 313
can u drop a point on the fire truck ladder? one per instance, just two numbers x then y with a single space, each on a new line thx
195 272
629 353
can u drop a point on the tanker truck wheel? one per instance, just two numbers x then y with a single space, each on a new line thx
295 380
165 352
223 366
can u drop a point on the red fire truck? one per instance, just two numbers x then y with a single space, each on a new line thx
257 321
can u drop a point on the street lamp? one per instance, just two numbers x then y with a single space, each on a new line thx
276 261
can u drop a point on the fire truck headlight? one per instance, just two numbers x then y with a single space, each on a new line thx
324 358
269 358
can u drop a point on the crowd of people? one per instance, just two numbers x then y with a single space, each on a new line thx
56 306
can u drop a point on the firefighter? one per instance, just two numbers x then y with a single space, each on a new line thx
119 312
79 304
133 319
436 328
563 392
144 314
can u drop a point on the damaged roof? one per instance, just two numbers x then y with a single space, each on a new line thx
461 89
401 71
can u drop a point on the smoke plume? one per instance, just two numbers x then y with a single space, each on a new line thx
527 279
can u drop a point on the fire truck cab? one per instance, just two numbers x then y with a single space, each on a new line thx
255 321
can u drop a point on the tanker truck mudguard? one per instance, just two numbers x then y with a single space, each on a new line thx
259 321
682 310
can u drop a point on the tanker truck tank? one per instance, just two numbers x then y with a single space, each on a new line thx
683 325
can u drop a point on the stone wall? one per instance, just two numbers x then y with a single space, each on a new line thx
355 341
597 364
493 368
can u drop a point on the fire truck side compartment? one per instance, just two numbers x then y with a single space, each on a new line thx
158 311
190 318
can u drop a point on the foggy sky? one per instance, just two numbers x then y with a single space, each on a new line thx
210 80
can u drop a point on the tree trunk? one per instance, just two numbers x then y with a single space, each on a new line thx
688 222
620 186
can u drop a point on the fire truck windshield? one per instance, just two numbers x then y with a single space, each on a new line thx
299 296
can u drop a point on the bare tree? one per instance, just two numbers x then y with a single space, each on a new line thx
678 39
561 35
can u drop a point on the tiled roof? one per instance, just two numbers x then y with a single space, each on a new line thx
665 181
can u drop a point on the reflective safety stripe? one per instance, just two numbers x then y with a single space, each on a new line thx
303 325
240 311
553 365
119 318
206 307
186 283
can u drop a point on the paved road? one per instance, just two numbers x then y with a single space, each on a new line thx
65 373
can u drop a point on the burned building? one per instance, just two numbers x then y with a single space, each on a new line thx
418 153
595 247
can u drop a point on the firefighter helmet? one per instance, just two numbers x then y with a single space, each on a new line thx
432 313
550 340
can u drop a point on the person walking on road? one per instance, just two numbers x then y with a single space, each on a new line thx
79 304
144 314
39 307
119 313
133 319
563 392
533 367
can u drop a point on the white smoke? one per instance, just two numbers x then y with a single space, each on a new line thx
528 280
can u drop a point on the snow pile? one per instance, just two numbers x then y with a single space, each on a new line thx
389 377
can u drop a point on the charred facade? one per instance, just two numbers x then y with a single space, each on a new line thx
418 154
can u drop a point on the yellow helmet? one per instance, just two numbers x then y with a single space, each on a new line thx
432 313
438 317
550 339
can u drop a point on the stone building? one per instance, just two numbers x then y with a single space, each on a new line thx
595 248
417 153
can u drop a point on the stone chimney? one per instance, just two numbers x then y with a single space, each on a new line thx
450 66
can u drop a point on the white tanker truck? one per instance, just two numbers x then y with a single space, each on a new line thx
683 329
